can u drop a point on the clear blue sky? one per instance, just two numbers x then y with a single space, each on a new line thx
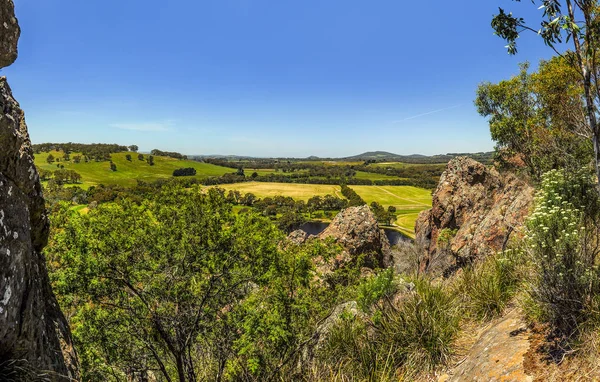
262 78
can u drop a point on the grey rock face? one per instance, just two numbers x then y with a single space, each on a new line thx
32 328
9 33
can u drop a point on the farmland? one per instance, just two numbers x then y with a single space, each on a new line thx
409 201
128 172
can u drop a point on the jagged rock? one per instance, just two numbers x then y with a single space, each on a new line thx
357 231
484 208
10 33
32 327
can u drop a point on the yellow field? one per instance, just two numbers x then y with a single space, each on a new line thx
296 191
409 201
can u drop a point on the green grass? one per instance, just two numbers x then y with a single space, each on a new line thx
405 165
374 176
94 173
409 201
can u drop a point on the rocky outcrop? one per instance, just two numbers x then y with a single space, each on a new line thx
479 209
10 33
32 327
357 231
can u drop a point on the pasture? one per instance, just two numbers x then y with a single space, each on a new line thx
128 172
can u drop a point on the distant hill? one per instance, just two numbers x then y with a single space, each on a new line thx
376 155
384 156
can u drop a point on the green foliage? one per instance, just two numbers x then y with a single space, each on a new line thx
374 289
537 118
562 246
353 198
179 284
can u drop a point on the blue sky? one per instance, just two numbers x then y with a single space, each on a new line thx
262 77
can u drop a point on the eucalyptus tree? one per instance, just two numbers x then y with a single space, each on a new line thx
571 28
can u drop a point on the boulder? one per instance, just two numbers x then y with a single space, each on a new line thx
483 207
357 231
32 328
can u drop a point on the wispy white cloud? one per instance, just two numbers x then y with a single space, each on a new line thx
427 113
144 126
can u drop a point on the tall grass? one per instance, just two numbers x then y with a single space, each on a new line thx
486 289
414 337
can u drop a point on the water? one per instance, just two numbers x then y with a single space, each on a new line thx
315 228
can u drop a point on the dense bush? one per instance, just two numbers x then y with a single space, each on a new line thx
238 305
188 171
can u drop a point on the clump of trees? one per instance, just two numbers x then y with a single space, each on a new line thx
188 171
567 25
97 151
60 176
170 154
353 198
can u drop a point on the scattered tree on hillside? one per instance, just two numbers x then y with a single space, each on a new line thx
63 176
150 160
44 174
50 159
140 156
76 158
113 166
133 148
128 157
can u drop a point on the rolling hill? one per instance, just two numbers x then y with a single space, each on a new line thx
128 172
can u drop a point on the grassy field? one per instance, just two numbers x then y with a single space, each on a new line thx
128 173
296 191
374 176
409 201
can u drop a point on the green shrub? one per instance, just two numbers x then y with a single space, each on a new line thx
375 289
562 245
